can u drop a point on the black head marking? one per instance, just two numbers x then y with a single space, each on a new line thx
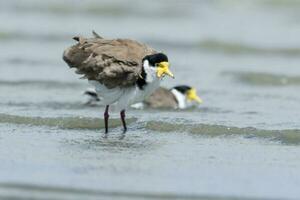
153 60
182 88
156 58
92 94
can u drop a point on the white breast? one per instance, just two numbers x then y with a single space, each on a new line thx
109 96
123 97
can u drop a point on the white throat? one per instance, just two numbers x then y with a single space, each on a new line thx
181 99
150 71
152 82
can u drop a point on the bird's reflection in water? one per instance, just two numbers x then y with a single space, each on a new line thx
137 141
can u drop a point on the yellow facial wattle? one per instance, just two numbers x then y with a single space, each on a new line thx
192 96
163 69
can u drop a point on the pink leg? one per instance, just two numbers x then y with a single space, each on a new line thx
122 114
106 116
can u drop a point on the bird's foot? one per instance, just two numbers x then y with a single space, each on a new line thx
123 134
105 135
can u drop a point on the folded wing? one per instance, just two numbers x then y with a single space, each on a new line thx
114 63
161 98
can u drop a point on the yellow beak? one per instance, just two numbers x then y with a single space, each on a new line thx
192 96
163 69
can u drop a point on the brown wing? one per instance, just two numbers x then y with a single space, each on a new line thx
161 98
111 62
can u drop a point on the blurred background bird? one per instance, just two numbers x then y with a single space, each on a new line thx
178 97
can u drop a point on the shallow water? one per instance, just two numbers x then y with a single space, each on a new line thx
241 143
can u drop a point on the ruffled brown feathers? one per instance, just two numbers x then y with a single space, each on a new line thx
114 63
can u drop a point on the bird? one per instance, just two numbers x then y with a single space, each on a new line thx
122 71
177 97
91 97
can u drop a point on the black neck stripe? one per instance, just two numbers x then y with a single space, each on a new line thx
141 81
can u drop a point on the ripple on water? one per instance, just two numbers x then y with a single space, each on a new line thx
61 122
264 79
25 191
228 47
287 136
40 84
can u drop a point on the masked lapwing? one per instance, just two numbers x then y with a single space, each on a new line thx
178 97
123 71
